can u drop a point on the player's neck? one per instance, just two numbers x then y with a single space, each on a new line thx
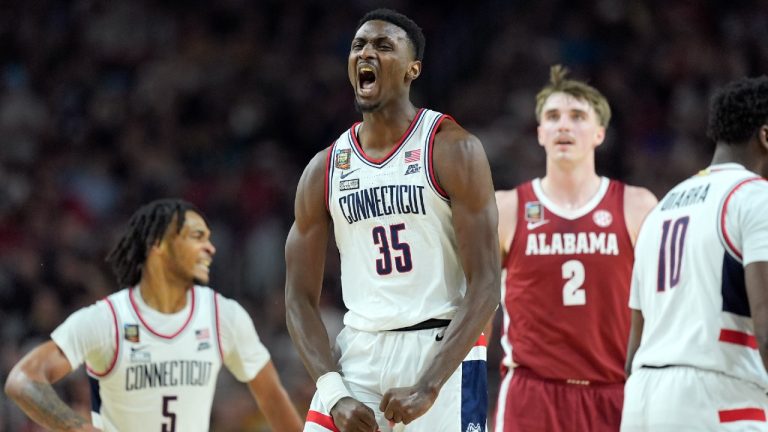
162 292
736 154
383 128
570 188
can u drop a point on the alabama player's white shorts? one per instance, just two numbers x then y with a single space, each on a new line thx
681 398
372 363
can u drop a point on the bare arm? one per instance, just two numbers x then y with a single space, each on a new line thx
638 202
29 385
507 204
273 400
463 172
756 279
635 335
305 261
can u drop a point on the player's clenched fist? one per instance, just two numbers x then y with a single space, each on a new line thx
405 404
350 415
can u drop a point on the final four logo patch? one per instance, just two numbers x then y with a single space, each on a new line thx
342 159
131 332
534 211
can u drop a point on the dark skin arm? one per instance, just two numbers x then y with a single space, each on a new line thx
635 334
274 402
305 261
463 172
756 279
29 385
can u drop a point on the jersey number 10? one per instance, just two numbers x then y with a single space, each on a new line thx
671 253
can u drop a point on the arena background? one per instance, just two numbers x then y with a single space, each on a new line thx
107 105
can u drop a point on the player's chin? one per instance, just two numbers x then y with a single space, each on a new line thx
364 106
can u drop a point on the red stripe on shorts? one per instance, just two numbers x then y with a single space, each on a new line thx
481 341
738 338
323 420
755 414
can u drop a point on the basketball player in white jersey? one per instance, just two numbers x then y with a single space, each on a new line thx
153 350
409 195
698 348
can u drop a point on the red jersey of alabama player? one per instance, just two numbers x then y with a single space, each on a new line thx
567 286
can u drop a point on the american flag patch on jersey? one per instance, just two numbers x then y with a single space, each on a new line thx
202 334
412 156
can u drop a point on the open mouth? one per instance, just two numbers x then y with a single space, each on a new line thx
366 78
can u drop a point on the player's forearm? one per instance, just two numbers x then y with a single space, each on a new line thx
473 314
41 403
310 337
280 413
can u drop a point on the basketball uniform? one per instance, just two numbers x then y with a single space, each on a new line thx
698 367
399 267
145 377
566 324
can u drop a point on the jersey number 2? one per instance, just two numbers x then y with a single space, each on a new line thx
403 263
573 292
671 253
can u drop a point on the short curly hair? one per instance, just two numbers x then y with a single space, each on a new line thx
737 110
412 30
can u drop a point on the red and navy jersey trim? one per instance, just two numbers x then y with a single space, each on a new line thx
328 176
117 345
218 324
378 163
431 175
730 247
153 331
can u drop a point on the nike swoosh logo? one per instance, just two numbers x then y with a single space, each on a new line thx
346 174
136 349
534 225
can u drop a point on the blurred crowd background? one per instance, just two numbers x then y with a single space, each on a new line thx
106 105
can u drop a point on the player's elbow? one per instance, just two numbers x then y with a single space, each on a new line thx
14 384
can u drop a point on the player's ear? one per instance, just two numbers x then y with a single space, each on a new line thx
414 70
762 136
599 136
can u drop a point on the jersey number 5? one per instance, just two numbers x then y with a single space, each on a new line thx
171 425
403 263
671 253
573 291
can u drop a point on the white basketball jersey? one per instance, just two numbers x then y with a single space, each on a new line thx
394 232
688 280
162 383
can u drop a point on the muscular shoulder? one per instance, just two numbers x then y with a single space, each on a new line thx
452 139
315 170
460 163
310 193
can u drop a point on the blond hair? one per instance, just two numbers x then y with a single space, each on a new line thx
578 89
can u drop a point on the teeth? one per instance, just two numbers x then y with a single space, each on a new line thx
366 69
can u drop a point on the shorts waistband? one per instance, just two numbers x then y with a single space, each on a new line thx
426 325
525 372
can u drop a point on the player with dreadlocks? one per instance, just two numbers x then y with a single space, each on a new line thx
153 350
